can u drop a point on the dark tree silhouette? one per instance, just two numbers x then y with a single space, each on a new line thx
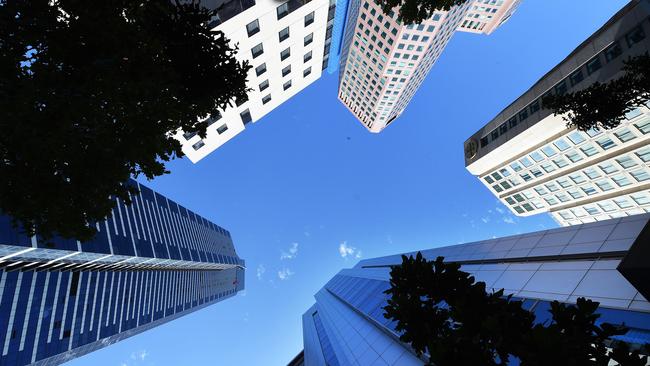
442 312
604 105
416 11
91 94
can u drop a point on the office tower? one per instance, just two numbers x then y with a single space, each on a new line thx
383 62
529 159
288 46
606 261
150 262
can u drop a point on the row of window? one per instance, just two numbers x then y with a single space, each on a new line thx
635 203
611 53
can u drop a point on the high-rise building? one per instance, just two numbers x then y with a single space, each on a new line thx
288 46
529 159
150 262
383 62
606 261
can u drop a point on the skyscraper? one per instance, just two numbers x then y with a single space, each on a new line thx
150 262
384 62
605 261
288 46
529 159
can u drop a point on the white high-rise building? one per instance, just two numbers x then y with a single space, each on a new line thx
528 158
287 44
384 62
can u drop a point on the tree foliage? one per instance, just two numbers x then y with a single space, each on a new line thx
91 93
442 312
604 105
416 11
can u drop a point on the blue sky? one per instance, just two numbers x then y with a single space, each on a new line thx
308 179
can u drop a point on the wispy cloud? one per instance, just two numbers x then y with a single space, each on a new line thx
346 250
260 271
485 219
508 220
293 251
285 273
499 210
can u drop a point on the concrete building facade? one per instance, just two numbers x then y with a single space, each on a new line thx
383 62
605 261
533 163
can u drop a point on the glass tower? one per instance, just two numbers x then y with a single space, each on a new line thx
606 261
150 262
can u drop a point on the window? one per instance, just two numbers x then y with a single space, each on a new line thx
644 154
246 116
606 143
589 150
613 51
512 122
188 135
198 145
309 18
594 65
282 10
264 85
626 162
523 115
640 175
621 180
644 127
284 54
222 129
266 99
309 38
307 57
591 173
534 106
548 151
253 27
306 72
576 138
257 50
608 168
284 34
287 85
576 78
503 128
635 36
624 135
561 88
561 144
286 71
260 69
605 185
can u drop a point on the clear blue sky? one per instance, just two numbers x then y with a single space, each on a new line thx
310 174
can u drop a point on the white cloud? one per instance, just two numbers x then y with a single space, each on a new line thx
499 210
260 271
508 220
285 273
346 250
293 251
307 233
485 219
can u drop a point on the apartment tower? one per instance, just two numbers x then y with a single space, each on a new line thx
383 62
150 262
288 46
530 160
606 261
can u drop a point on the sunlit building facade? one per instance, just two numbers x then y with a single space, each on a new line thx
606 261
529 159
384 62
150 262
288 45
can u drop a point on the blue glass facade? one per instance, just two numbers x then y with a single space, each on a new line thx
560 264
150 262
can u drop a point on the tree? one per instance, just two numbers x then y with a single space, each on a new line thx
441 311
416 11
92 93
604 105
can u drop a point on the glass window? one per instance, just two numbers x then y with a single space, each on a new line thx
525 162
621 180
198 145
561 88
644 127
564 183
635 36
576 78
594 132
541 191
286 85
282 10
257 50
626 162
589 190
608 168
604 185
497 188
536 172
309 18
306 57
644 154
551 187
607 206
547 167
577 178
561 144
516 167
223 128
591 173
253 27
623 202
309 38
606 143
286 71
594 65
306 72
575 193
512 122
503 128
640 175
563 197
523 115
573 156
284 34
246 116
576 137
264 84
624 135
260 69
642 198
613 51
266 99
548 151
560 162
284 54
633 113
536 156
589 150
